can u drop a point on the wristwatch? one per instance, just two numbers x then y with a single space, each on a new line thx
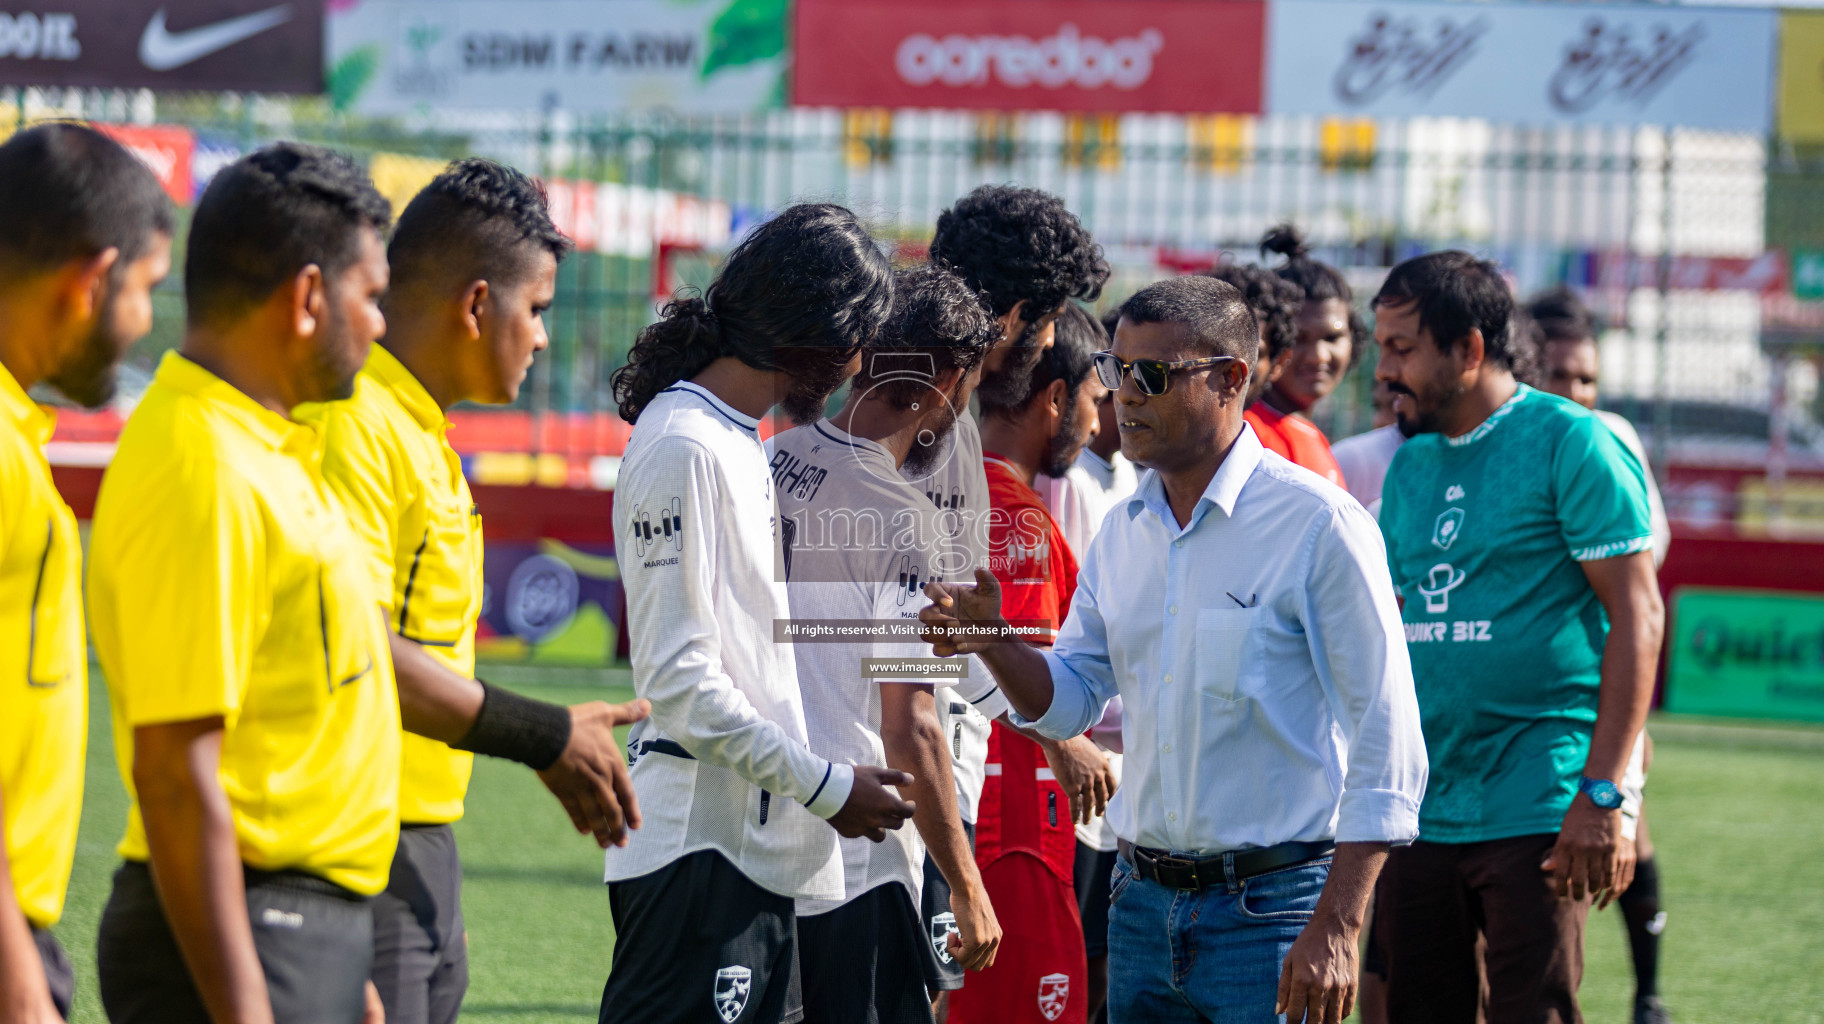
1601 792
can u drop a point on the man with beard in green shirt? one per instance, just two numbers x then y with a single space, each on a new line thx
1518 534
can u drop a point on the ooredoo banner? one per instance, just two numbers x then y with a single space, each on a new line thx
1182 56
1536 63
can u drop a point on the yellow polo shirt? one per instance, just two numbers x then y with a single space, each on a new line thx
224 581
386 455
44 663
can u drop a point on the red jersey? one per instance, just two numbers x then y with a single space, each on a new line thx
1025 843
1294 438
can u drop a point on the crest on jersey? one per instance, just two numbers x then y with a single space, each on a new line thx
1444 532
1054 994
941 927
733 984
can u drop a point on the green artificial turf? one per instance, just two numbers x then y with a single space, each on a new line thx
1737 812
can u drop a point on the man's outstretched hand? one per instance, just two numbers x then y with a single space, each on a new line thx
872 808
590 777
956 605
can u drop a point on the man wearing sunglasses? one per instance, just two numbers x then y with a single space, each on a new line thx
1242 608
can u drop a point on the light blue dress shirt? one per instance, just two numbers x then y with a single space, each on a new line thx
1261 658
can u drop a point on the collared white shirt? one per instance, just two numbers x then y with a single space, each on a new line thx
1261 658
697 530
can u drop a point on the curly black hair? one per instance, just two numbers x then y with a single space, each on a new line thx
800 295
1317 282
937 324
269 215
1273 299
478 220
1020 245
1070 359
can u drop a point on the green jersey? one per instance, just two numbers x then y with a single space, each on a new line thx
1485 533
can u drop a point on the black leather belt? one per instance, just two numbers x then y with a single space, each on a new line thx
1194 873
668 747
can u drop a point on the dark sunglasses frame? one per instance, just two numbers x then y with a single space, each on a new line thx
1108 364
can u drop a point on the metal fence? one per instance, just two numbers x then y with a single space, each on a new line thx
1164 192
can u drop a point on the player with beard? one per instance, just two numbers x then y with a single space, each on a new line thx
1026 839
1322 349
703 903
865 540
474 265
1517 528
85 235
256 718
1027 255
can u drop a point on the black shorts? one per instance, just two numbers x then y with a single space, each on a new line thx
698 942
1091 873
421 957
866 961
944 973
315 940
57 970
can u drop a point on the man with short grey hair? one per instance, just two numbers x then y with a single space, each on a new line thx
1242 608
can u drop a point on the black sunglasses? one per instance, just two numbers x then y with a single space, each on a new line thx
1151 376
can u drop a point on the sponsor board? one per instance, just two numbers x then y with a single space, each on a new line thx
164 44
1523 63
708 56
1076 55
1746 653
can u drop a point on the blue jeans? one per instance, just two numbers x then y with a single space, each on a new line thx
1204 956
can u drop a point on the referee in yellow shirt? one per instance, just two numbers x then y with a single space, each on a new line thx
240 626
85 235
474 267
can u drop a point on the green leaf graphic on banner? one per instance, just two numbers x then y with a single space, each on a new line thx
350 75
745 32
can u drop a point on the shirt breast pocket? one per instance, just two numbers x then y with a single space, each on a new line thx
1223 636
440 589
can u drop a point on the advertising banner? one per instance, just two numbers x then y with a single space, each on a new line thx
550 603
690 56
631 220
1801 91
164 44
165 148
1746 653
1525 63
1184 56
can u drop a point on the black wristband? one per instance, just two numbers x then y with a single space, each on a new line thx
517 728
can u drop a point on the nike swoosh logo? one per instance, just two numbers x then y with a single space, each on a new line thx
162 50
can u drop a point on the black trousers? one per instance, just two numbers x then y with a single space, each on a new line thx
865 962
1435 900
315 941
698 942
57 970
421 956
